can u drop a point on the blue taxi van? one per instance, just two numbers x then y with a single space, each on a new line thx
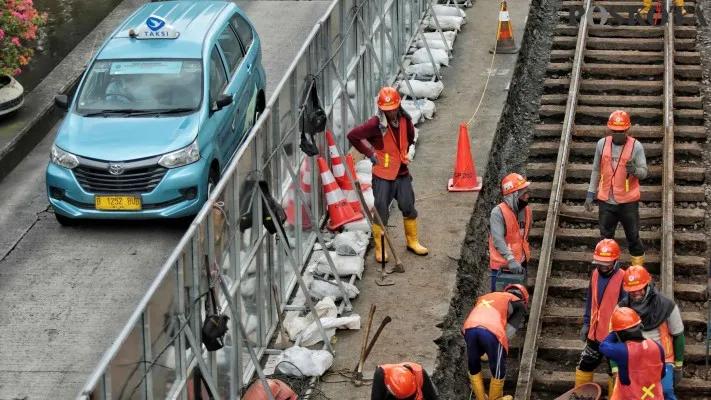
159 113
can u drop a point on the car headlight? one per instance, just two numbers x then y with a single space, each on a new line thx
186 155
63 158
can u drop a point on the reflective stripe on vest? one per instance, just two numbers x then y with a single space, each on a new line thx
625 189
491 312
645 373
390 156
416 369
600 314
518 245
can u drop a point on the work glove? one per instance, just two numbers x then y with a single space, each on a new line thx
515 267
374 159
678 374
584 333
631 168
588 204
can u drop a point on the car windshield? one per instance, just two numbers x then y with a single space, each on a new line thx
141 86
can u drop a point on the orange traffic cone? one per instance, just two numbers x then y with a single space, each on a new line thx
505 42
339 210
339 171
305 174
465 179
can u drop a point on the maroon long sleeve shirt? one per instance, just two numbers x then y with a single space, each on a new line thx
371 133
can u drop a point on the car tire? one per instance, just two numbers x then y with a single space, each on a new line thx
65 221
212 178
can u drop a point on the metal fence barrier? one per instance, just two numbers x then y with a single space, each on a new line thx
354 49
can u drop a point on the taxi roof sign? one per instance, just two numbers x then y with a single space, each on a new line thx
155 27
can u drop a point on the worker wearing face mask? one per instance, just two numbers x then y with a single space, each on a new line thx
618 166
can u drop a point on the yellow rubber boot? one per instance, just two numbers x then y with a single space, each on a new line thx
411 234
496 390
637 260
477 384
377 230
644 10
582 377
680 4
610 386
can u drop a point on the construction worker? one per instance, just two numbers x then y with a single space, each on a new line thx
661 322
509 224
647 5
640 360
279 389
491 323
603 294
618 166
385 139
405 380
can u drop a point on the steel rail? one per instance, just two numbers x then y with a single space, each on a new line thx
524 384
666 271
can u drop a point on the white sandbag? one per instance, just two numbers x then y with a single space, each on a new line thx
369 198
364 179
294 324
424 70
426 107
311 335
448 35
351 88
434 44
351 244
420 57
451 11
248 286
447 23
365 166
361 225
430 90
414 113
411 152
320 289
345 265
298 360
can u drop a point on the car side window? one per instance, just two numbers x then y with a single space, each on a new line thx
244 31
230 48
218 77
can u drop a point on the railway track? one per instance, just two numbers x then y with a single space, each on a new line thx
654 73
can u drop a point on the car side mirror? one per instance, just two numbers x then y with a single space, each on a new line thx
223 100
61 101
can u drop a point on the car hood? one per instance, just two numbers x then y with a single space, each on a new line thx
124 139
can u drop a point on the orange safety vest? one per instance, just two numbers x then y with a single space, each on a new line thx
517 244
644 369
416 368
600 314
665 339
390 156
491 312
625 189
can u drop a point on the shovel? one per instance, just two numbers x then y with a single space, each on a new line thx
590 390
384 279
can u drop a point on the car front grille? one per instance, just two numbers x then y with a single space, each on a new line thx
137 180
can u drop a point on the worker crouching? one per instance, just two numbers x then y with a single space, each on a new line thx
509 224
640 360
491 323
385 140
603 294
403 381
618 166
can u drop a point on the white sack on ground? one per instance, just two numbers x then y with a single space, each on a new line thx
364 179
311 335
359 226
351 244
345 265
448 35
426 107
248 286
414 113
365 166
411 152
320 289
434 44
443 10
294 324
420 57
430 90
351 88
424 70
445 22
298 360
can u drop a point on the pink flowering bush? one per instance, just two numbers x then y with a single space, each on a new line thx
18 28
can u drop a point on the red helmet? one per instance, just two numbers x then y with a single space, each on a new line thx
635 278
388 99
279 389
401 382
520 288
619 121
624 318
513 182
607 250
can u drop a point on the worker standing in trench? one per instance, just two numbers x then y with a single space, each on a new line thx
603 294
640 359
492 322
661 322
385 139
618 166
509 224
403 381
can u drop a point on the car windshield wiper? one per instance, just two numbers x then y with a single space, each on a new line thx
135 112
107 112
165 111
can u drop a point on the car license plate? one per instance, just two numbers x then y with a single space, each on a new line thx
117 203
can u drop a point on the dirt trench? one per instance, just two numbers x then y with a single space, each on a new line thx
509 154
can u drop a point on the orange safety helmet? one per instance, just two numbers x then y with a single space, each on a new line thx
520 288
619 121
401 382
513 182
635 278
607 250
279 389
624 318
388 99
